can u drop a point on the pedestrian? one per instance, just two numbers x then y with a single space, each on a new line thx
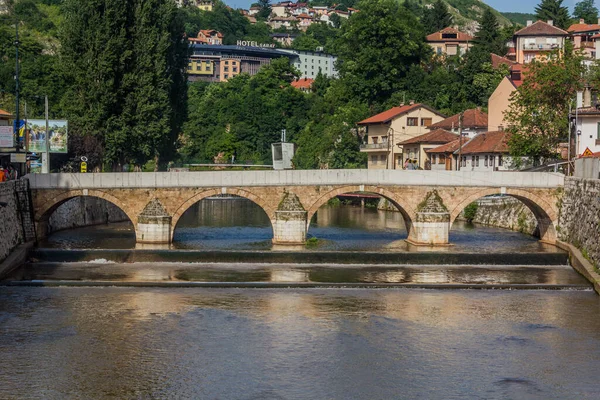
13 173
2 176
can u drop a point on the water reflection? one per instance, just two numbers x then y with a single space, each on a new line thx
335 344
242 225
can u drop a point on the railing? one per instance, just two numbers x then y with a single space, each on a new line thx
373 146
541 46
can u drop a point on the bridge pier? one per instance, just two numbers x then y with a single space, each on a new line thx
289 226
154 224
430 229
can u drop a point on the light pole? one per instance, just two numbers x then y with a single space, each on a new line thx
17 83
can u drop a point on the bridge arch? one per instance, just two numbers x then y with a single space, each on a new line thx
406 210
546 214
43 213
215 192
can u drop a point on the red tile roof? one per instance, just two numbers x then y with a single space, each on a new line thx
583 27
473 118
436 136
488 142
387 116
498 61
5 113
449 147
460 37
305 83
586 111
541 28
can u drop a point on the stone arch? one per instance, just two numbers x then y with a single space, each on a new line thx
214 192
43 213
408 213
545 214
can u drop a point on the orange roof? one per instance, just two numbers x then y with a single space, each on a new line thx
583 27
488 142
449 147
473 118
541 28
305 83
5 113
304 16
387 116
437 136
460 37
210 32
498 61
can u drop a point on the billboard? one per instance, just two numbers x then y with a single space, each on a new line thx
36 129
7 136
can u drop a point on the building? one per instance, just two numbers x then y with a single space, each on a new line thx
304 84
442 158
538 39
218 63
486 152
415 149
310 63
207 36
204 5
254 10
450 42
499 101
285 39
283 22
385 131
304 21
583 37
587 123
5 118
474 121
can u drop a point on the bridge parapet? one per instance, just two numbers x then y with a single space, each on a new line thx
132 180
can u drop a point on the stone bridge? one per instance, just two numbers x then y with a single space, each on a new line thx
429 201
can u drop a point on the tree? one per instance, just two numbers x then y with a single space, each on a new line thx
376 48
538 113
489 38
437 17
265 10
587 11
555 11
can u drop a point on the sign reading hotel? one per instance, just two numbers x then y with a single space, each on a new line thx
249 43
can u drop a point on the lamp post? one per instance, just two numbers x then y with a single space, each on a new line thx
17 89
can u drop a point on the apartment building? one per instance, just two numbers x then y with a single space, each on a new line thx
449 42
537 40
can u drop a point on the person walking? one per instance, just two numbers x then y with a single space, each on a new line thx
2 176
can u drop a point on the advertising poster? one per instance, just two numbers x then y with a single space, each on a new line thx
6 136
36 129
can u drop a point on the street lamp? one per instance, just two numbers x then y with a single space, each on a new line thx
391 132
17 83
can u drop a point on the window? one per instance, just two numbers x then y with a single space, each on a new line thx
464 161
449 35
433 159
375 139
426 121
500 161
198 67
226 69
384 139
438 51
477 161
226 62
226 76
485 161
412 121
234 69
189 67
207 68
472 161
373 159
382 158
442 159
598 132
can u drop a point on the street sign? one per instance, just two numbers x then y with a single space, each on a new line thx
83 167
18 157
587 153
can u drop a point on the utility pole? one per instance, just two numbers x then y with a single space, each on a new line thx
460 124
17 83
47 135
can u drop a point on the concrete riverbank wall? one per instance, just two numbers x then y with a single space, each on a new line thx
84 211
11 229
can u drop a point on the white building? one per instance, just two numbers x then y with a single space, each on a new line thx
310 63
587 121
487 151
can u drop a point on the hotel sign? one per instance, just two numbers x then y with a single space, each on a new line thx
249 43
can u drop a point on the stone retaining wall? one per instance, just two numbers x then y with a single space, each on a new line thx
579 222
11 231
84 211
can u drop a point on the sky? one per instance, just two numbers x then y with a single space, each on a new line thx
525 6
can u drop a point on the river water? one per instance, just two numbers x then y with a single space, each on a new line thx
288 342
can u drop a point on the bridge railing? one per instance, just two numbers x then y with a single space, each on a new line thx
297 178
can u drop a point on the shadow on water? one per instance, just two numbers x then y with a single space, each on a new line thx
239 224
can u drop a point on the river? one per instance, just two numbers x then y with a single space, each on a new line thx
116 340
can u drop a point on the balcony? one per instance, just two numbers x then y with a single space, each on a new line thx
541 47
374 146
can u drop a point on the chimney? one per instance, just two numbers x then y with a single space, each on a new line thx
550 22
581 21
529 22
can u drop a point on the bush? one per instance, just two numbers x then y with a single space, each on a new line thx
471 211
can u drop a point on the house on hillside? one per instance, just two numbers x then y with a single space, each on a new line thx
204 5
5 118
304 85
207 36
486 152
583 37
586 119
450 42
415 149
474 121
537 40
499 101
285 38
385 131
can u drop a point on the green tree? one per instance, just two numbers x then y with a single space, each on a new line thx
305 43
489 38
437 17
587 11
377 47
265 10
555 11
538 113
